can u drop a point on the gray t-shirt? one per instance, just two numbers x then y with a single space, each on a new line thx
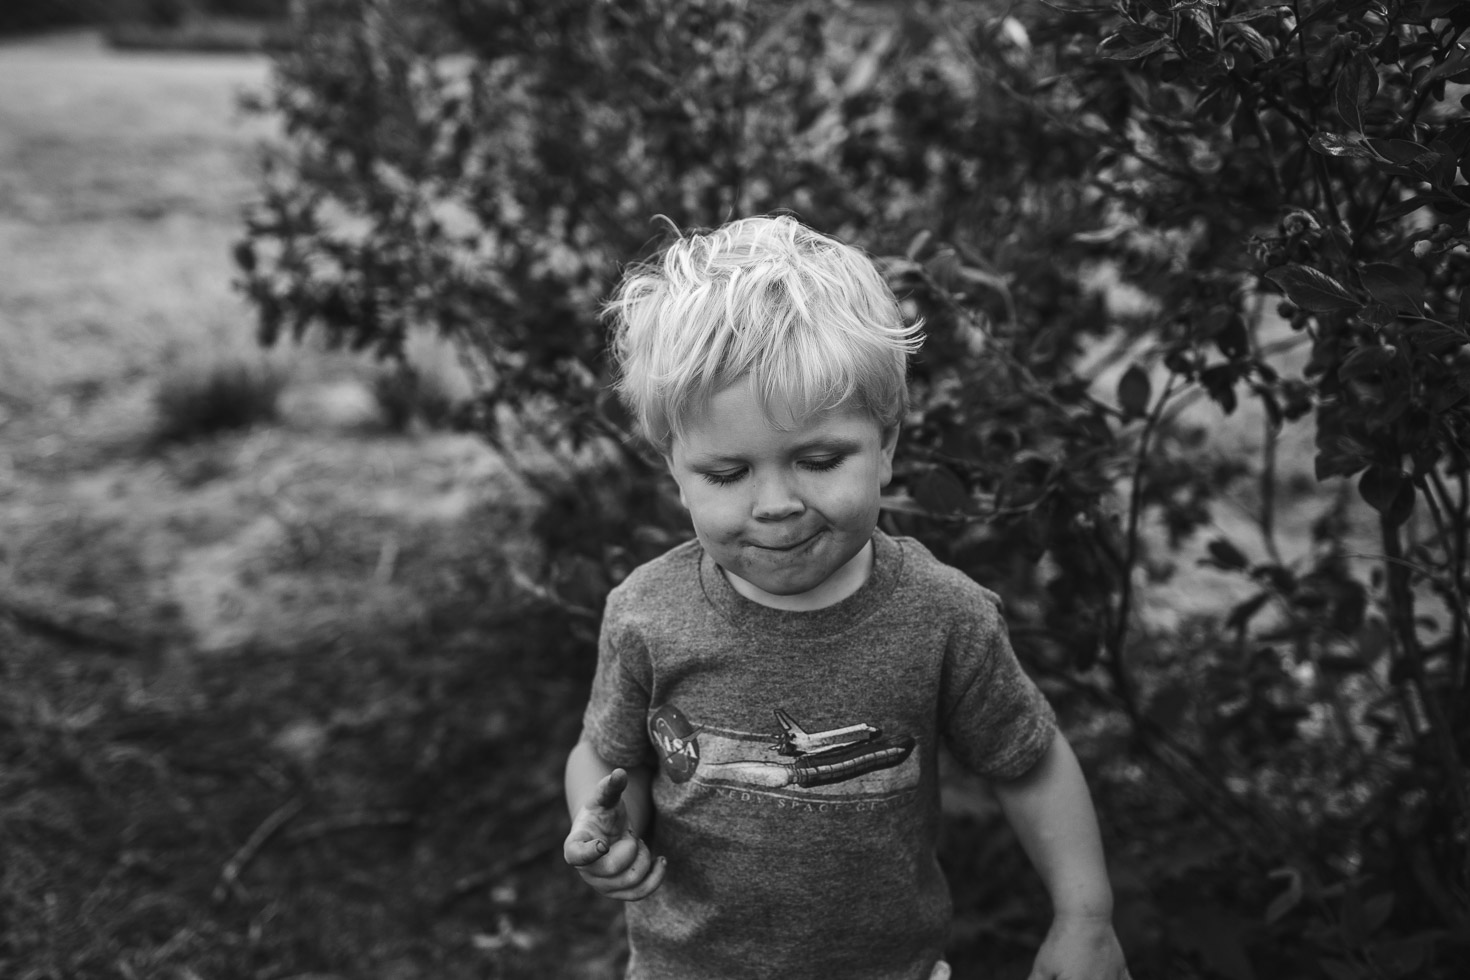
796 795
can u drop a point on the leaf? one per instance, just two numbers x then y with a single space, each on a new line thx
944 268
902 503
1365 362
1388 492
1257 14
1448 395
939 491
1336 463
1397 287
1377 315
1282 904
1227 554
1312 289
1376 911
1407 206
1450 66
1404 156
1234 340
1357 84
1243 613
1134 391
1133 41
1219 382
1402 957
1379 486
1260 46
918 244
1335 145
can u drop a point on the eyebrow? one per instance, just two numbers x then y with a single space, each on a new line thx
824 444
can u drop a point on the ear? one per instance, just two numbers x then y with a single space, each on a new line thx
889 444
669 465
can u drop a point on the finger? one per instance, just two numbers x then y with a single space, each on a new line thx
644 888
610 789
621 856
583 852
627 863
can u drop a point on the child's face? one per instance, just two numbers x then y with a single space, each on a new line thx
783 510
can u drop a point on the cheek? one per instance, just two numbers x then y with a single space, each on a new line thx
710 512
858 496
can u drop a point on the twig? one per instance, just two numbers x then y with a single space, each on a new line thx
1401 612
532 849
1452 528
387 558
268 828
60 619
1119 638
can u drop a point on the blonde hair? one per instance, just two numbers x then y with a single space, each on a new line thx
808 319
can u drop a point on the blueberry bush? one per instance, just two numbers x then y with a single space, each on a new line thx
1134 230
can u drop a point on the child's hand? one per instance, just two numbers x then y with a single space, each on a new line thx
604 850
1080 949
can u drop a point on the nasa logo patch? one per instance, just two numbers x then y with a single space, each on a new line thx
677 742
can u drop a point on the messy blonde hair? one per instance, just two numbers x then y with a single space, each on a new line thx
808 319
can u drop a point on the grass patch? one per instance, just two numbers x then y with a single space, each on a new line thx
385 809
205 35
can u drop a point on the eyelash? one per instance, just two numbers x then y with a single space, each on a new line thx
814 465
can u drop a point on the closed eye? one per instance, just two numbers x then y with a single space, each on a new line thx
824 464
723 479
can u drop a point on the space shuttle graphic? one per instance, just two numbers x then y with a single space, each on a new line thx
794 740
818 758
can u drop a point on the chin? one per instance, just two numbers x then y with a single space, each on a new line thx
786 588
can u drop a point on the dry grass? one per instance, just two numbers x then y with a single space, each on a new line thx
270 705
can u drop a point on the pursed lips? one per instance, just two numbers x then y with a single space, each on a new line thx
786 547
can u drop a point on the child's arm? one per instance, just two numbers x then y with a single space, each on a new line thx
1051 812
610 810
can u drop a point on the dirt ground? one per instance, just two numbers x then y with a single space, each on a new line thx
271 704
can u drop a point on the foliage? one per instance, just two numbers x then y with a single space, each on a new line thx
214 816
33 15
1280 186
17 16
197 403
407 394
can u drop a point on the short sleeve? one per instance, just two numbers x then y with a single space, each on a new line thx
995 719
615 719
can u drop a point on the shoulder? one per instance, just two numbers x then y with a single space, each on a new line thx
926 578
670 579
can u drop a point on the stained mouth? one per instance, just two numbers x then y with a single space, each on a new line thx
788 547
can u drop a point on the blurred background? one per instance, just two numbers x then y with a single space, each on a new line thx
311 488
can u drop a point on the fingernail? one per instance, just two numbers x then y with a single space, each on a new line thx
601 846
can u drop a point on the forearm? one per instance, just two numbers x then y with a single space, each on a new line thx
1051 812
585 769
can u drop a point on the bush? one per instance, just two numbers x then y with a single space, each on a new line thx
406 394
1283 190
20 16
200 403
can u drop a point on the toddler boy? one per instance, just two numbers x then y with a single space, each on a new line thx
757 774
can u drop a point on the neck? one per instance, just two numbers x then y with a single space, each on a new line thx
838 586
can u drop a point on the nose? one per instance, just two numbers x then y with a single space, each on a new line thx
776 499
